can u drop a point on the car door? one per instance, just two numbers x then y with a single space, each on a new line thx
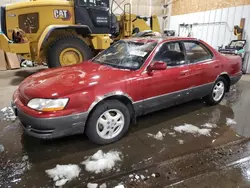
204 68
163 88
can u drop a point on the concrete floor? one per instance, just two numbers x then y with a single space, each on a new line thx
219 160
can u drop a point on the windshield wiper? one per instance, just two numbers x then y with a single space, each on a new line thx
112 65
97 61
117 66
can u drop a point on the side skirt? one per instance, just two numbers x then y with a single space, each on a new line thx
164 101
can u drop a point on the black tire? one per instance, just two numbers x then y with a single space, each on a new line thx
91 131
58 46
209 99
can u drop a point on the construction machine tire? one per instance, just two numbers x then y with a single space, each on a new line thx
68 51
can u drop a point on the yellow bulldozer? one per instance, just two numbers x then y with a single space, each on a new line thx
66 32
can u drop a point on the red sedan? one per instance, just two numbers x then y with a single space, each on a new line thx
103 96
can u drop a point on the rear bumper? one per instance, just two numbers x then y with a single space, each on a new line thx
234 79
48 128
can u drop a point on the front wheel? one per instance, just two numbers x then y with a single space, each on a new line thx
108 122
217 93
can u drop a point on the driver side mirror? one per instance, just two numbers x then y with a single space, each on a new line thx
158 65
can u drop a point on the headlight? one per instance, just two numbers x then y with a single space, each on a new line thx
47 105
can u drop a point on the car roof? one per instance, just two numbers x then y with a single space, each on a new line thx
159 39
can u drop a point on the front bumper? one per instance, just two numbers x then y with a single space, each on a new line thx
234 79
48 128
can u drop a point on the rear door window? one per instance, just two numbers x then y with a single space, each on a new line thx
197 52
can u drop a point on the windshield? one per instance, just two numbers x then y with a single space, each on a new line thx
126 54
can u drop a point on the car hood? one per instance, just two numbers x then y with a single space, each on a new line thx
58 82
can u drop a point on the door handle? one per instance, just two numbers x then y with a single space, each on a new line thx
182 73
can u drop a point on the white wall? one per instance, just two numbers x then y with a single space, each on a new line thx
216 34
142 8
4 2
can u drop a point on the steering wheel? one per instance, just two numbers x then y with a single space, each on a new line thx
130 63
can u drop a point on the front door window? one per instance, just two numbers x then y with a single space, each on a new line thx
171 53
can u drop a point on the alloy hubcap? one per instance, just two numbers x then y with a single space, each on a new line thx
110 124
218 91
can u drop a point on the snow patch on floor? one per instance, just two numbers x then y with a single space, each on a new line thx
230 121
172 134
95 185
61 182
209 125
181 141
100 161
63 173
119 186
1 148
189 128
7 114
104 185
17 169
140 177
158 136
137 177
16 180
25 158
92 185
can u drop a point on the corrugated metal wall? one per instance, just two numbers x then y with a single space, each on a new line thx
216 34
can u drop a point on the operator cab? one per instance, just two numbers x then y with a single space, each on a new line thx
93 13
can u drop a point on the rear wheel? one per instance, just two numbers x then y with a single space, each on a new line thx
217 93
108 122
68 51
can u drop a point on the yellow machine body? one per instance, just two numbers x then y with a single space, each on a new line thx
39 23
